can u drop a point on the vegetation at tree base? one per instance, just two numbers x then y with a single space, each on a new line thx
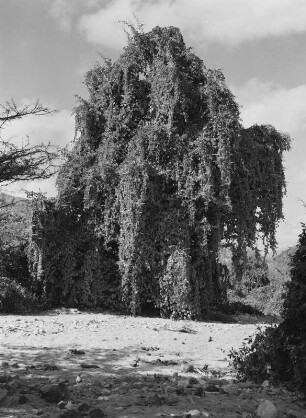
161 176
279 353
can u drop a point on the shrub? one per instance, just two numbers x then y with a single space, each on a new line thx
279 353
258 359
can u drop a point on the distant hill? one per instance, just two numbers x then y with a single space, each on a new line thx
267 298
6 200
285 255
279 266
15 214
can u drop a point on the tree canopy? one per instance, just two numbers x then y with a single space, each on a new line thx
162 174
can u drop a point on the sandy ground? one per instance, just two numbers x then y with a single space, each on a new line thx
118 363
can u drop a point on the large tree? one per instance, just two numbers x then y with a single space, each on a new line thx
161 175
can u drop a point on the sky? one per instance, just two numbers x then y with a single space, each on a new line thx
46 47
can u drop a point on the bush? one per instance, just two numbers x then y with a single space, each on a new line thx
258 359
14 298
279 353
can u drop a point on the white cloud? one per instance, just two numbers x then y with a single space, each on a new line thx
268 103
58 129
230 22
65 11
265 102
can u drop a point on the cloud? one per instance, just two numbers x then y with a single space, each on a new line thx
58 129
266 102
201 21
66 11
269 103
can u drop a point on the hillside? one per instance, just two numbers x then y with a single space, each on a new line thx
8 200
263 283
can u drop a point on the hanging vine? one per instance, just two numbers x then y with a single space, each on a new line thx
161 175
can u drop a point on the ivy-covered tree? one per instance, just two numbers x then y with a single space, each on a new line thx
161 175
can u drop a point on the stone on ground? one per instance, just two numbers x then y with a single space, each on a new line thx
266 409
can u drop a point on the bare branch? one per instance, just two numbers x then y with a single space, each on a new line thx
25 162
10 111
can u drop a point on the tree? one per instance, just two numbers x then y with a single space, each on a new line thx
18 163
23 162
162 174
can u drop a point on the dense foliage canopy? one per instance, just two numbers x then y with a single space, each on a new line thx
162 174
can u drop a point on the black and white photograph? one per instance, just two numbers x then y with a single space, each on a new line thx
152 208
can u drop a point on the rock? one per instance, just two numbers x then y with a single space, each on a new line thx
154 400
61 405
275 391
265 384
137 385
292 414
50 367
83 407
231 389
22 399
194 413
3 394
182 382
195 390
266 409
206 414
209 387
15 365
37 412
78 379
77 352
105 392
71 414
55 393
169 400
193 381
187 368
14 384
248 385
169 389
5 378
246 395
180 390
99 382
96 413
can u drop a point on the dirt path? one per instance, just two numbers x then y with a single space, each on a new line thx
91 365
